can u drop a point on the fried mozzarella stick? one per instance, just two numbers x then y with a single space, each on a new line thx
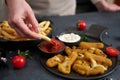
53 61
81 66
84 67
91 45
99 59
100 52
96 68
68 50
65 66
95 71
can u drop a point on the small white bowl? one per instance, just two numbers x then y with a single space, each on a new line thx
69 38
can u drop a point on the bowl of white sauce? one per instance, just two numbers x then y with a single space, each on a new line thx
69 39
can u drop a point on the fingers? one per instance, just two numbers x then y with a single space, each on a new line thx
115 7
24 30
104 6
23 19
34 23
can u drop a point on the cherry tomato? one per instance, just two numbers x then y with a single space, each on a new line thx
112 51
18 61
81 25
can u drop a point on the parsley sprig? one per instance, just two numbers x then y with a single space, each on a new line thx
25 54
83 37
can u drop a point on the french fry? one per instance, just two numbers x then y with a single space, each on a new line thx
46 25
45 38
43 33
7 35
41 24
8 30
47 31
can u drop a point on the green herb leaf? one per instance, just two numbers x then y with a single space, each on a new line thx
83 37
25 54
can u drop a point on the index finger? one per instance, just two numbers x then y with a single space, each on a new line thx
32 20
24 28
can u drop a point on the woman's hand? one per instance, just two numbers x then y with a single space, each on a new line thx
102 5
22 18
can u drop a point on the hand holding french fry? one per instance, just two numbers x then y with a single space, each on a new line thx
8 33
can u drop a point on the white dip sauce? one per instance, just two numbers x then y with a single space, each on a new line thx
71 37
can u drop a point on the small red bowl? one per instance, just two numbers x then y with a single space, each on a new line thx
51 49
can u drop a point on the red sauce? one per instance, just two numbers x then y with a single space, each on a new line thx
55 46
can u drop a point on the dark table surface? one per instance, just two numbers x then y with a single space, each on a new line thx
35 71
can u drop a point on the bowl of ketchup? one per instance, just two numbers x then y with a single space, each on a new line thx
51 48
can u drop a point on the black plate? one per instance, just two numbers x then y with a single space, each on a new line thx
75 76
13 45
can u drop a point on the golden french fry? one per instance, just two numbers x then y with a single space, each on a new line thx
5 23
44 25
47 24
47 31
41 24
8 30
1 36
7 35
45 37
0 30
43 33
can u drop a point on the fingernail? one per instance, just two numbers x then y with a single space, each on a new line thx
37 29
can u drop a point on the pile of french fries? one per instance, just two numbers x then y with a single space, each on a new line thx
44 27
9 33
